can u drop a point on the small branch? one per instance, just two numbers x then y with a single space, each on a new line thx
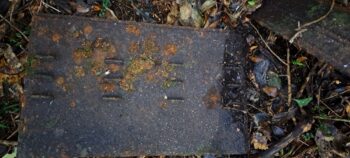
14 27
289 78
49 6
332 119
296 35
319 19
295 134
302 28
307 79
8 143
267 46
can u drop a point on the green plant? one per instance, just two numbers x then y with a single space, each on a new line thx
3 126
308 136
303 102
251 2
105 5
16 39
298 63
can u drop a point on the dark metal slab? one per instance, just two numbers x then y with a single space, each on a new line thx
328 39
105 88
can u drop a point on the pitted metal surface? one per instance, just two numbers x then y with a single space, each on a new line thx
106 88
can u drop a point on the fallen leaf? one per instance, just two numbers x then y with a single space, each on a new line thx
303 102
197 18
347 108
207 5
185 13
173 14
301 58
270 91
273 80
11 58
259 141
255 58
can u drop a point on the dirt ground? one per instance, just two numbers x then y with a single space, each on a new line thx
299 106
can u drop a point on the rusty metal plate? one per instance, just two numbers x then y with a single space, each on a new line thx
106 88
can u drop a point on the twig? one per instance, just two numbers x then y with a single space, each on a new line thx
300 129
329 108
8 143
307 79
267 46
296 35
289 78
319 19
302 28
49 6
332 119
13 26
112 13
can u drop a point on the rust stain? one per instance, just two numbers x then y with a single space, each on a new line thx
136 67
72 104
107 87
213 98
133 47
82 53
113 67
133 30
56 37
150 46
61 83
170 50
42 31
87 29
79 71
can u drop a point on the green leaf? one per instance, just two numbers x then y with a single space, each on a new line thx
3 126
303 102
251 2
296 62
12 155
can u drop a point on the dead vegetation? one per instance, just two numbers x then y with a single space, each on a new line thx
298 106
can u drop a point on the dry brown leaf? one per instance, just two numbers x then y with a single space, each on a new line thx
173 14
301 59
207 5
347 108
185 13
259 141
11 58
307 127
255 58
270 91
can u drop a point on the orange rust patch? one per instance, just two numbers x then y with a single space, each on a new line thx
133 47
107 87
87 29
113 67
56 37
61 83
136 67
150 46
72 104
170 50
42 31
79 71
133 30
212 98
151 75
